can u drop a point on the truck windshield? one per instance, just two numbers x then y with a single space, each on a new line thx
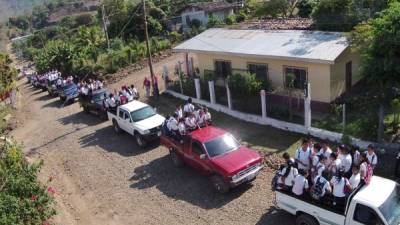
98 96
390 209
142 114
221 145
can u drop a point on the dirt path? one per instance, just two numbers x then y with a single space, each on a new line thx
103 178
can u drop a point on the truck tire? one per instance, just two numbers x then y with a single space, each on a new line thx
140 141
86 109
178 162
116 127
219 184
305 219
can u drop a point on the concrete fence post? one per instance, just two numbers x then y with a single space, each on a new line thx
228 95
263 104
198 88
307 107
212 91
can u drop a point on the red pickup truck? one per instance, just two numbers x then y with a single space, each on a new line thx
216 153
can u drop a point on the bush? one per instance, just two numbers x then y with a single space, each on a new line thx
84 19
305 8
273 8
213 21
231 19
195 23
244 86
241 17
175 37
23 200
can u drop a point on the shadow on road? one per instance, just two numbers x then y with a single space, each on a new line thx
107 139
44 98
276 216
183 184
81 118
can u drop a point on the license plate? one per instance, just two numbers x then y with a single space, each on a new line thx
159 133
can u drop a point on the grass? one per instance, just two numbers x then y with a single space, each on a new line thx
4 125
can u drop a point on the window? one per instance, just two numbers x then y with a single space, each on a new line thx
196 148
223 68
121 114
366 215
260 70
143 113
300 76
221 145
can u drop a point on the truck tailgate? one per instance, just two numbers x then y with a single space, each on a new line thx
169 143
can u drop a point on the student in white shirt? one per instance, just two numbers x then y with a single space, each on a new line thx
372 157
314 159
207 115
188 107
288 173
179 111
320 168
300 185
355 177
302 156
355 154
335 164
321 186
339 185
326 151
182 127
345 160
190 122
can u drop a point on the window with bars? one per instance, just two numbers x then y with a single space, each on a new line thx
300 76
222 68
260 70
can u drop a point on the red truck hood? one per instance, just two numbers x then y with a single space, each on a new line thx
237 160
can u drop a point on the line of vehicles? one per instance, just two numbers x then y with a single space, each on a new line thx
217 154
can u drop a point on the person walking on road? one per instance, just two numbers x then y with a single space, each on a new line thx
146 85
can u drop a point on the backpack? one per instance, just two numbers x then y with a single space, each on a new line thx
368 176
318 189
274 181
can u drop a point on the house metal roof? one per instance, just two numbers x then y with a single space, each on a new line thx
308 46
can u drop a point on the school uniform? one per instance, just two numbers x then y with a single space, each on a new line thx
300 184
373 159
304 157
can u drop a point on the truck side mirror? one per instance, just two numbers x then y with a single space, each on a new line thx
203 156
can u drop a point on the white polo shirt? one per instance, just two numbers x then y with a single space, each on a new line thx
290 177
373 159
345 162
338 187
304 157
300 183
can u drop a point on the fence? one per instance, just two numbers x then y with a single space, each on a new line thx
260 117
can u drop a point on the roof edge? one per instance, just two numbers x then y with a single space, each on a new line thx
320 61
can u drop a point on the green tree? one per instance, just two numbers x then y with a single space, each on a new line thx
8 74
56 55
306 7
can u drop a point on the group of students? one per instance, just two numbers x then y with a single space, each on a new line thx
123 96
325 175
87 87
185 120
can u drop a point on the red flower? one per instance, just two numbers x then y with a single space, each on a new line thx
45 223
51 190
34 197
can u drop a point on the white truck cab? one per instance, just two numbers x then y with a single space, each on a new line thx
138 119
375 204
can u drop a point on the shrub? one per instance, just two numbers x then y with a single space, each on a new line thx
273 8
84 19
244 85
305 8
175 37
213 21
23 200
195 23
230 19
241 17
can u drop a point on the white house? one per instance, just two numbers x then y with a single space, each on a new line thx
203 10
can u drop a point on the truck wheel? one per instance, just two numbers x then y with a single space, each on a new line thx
86 109
178 162
305 219
140 140
116 127
219 184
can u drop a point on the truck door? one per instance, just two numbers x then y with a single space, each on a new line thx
199 157
363 215
124 120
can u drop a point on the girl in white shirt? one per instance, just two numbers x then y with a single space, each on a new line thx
190 122
339 185
355 177
300 185
335 164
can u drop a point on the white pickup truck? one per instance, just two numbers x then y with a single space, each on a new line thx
139 120
375 204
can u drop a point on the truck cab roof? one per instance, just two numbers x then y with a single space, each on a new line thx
207 133
133 106
380 188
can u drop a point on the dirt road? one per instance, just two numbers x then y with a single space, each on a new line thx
103 178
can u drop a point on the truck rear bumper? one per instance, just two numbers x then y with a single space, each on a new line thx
248 177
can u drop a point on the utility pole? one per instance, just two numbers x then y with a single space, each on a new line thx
148 45
103 16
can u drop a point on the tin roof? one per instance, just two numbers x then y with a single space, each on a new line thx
298 45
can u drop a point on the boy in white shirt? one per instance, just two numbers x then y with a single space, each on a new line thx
300 185
188 107
372 157
303 156
326 151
